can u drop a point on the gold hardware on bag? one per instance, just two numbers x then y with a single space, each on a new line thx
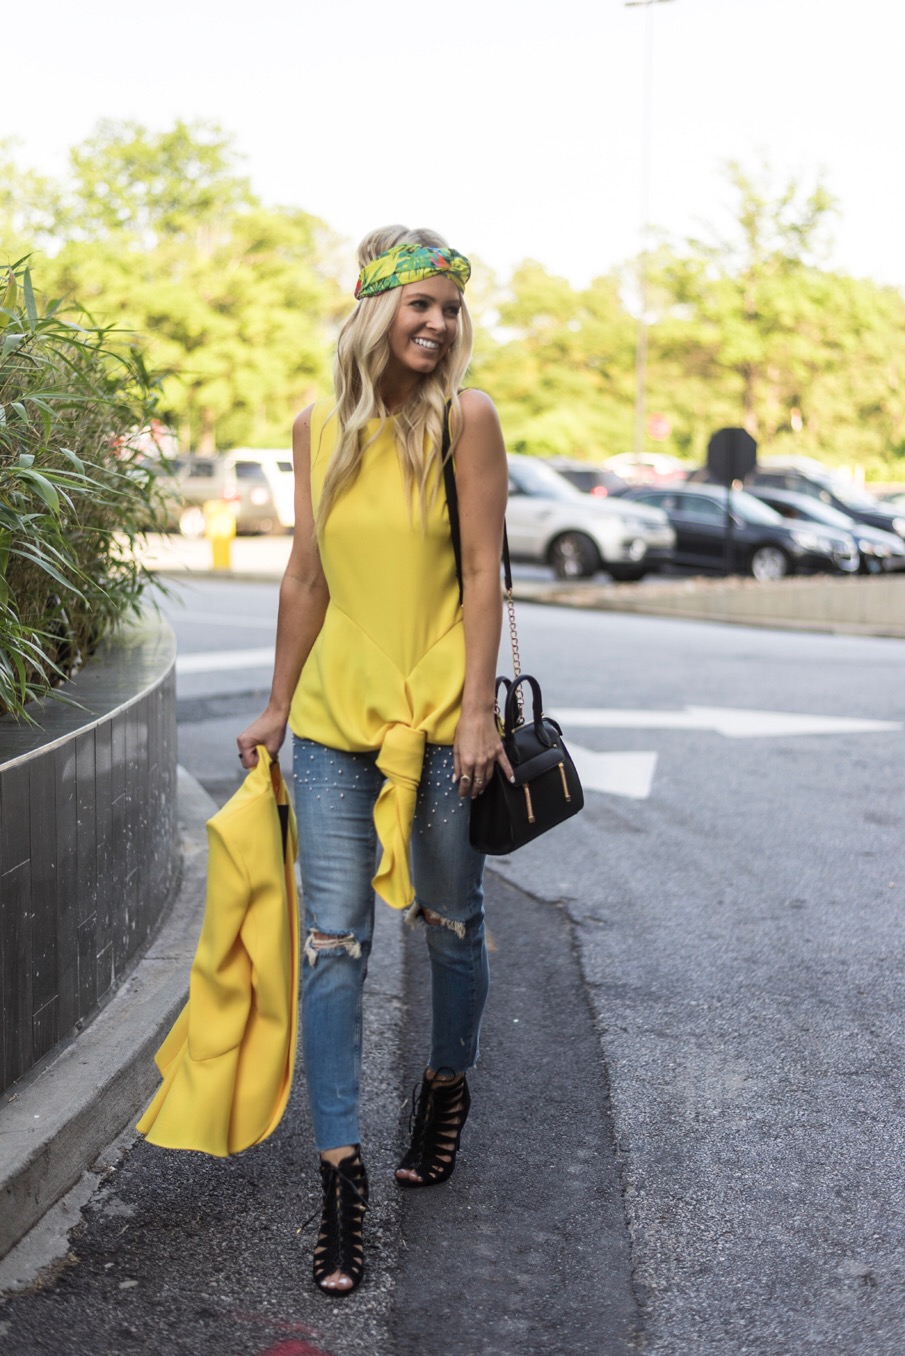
565 784
529 805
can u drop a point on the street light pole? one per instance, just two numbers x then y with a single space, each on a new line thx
641 340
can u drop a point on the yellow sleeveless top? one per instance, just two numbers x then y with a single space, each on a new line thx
387 670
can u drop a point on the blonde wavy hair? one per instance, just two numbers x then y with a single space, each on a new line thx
362 352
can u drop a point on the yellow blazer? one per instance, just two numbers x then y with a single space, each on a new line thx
227 1063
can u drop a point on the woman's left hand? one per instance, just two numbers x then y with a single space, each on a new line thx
476 750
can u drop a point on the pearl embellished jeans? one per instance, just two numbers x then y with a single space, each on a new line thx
335 793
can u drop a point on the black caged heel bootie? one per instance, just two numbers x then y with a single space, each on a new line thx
439 1111
339 1243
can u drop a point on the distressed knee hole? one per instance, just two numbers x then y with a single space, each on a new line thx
330 944
417 913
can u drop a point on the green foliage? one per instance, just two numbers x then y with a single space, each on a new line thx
561 367
128 182
159 234
162 234
74 494
755 331
748 330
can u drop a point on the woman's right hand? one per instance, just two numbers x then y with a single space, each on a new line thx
269 729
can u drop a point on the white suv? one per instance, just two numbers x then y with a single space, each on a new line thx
549 522
257 483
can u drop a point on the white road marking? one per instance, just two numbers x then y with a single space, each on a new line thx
629 774
632 774
217 660
616 774
724 720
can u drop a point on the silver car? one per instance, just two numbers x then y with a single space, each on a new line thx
549 522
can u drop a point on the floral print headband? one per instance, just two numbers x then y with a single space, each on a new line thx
411 263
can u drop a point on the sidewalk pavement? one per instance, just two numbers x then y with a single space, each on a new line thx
57 1118
252 558
182 1253
69 1124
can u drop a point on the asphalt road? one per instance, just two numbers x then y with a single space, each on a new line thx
740 934
687 1131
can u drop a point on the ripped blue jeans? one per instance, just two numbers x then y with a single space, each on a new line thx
334 797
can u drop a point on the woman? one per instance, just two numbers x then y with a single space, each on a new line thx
387 682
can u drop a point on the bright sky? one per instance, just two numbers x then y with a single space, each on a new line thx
512 126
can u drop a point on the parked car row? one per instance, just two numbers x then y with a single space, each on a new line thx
793 517
578 519
771 533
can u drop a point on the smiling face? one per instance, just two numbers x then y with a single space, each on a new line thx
424 327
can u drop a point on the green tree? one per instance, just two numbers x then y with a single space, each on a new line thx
129 182
754 330
160 234
559 363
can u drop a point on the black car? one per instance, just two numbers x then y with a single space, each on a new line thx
804 476
877 550
763 544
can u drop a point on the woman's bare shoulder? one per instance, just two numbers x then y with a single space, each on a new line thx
477 405
480 422
302 421
480 443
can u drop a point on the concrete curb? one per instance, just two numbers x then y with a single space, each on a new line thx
59 1117
839 606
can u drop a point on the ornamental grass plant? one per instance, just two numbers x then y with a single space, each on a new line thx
76 488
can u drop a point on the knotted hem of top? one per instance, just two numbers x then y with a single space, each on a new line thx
400 760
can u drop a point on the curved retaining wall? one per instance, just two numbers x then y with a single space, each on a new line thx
89 849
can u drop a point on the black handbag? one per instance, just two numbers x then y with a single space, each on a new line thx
546 789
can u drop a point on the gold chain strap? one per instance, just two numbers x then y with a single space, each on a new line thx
513 637
516 657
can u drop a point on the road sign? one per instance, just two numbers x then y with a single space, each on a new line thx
731 454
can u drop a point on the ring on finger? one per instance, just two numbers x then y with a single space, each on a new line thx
465 777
